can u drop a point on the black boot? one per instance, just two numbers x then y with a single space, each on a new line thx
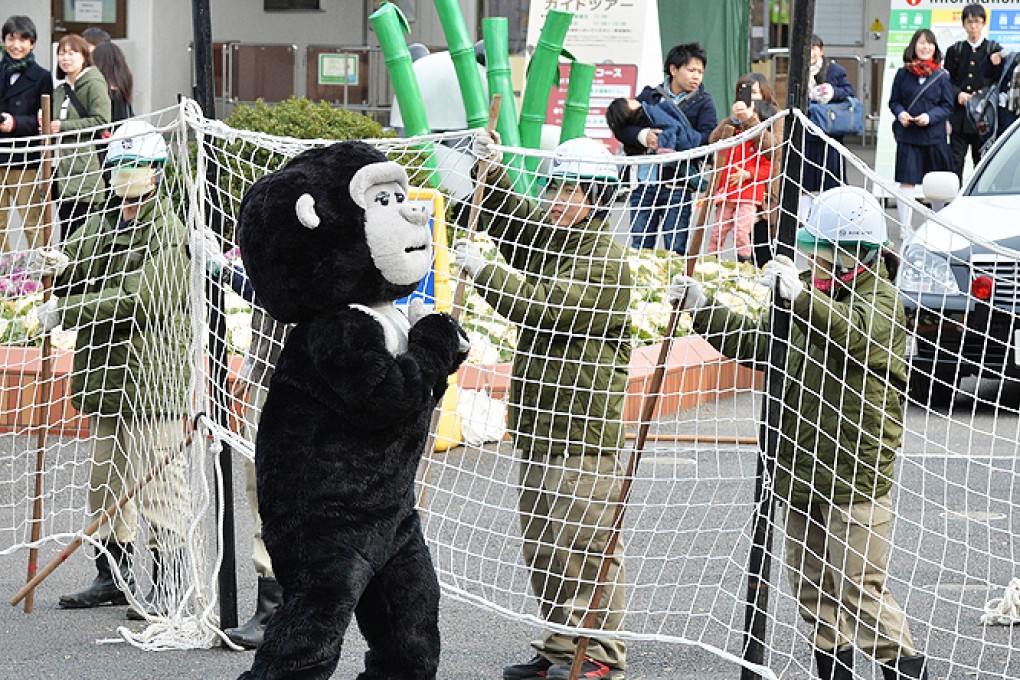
906 668
104 588
249 635
835 665
157 602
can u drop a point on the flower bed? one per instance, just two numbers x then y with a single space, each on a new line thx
695 372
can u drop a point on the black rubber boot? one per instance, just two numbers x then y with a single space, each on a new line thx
157 601
906 668
835 665
104 588
249 635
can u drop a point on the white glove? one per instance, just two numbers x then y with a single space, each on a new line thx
48 315
822 93
212 256
46 262
417 310
481 145
687 292
782 275
468 257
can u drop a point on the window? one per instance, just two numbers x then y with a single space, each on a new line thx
74 16
287 5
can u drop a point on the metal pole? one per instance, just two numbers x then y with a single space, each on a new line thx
759 566
205 96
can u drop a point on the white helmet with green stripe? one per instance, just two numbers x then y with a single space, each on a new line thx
136 142
589 163
845 216
583 159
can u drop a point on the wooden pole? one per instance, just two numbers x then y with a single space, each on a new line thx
474 214
44 392
28 589
644 424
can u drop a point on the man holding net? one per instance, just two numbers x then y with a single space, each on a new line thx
841 425
566 285
122 282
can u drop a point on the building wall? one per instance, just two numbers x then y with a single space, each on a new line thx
160 34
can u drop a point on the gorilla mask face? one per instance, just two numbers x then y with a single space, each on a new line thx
396 231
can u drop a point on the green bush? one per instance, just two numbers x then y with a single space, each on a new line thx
241 163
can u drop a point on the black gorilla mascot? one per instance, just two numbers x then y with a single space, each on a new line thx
330 241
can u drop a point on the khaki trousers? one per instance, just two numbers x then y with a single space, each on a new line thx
837 556
124 450
21 190
566 514
259 554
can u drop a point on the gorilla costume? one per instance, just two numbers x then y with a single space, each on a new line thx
330 241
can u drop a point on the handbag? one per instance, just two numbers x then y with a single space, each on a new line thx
838 118
981 110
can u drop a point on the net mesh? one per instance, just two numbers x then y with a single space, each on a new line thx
518 497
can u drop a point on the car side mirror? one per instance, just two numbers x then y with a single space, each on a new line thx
941 186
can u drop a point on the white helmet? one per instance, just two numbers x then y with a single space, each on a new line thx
845 216
584 158
136 142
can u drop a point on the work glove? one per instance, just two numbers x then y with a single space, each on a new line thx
467 257
821 93
48 315
686 291
212 256
46 262
782 275
482 145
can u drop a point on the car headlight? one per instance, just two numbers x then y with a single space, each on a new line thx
923 271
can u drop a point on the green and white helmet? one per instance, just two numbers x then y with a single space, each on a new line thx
589 163
583 159
136 142
845 216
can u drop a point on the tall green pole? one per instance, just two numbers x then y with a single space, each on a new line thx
543 74
462 53
390 26
496 33
578 103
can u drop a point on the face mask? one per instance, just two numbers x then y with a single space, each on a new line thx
132 182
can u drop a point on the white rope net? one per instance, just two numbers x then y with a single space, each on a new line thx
528 471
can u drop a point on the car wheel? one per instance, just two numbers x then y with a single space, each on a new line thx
933 389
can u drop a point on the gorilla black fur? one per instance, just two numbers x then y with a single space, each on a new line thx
347 415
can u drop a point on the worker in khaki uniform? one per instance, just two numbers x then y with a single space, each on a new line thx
840 426
567 287
122 282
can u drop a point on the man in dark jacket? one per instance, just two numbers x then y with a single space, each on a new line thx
666 201
22 85
963 62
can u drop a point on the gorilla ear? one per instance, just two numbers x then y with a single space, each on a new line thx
372 174
305 209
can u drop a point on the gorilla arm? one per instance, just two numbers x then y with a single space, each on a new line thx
348 352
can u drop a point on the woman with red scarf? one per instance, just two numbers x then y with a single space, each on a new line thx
922 101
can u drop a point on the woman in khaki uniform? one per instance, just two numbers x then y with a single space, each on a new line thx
124 286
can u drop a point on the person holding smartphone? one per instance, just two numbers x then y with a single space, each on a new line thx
745 171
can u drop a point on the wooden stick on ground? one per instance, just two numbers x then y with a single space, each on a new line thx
647 415
29 588
44 392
